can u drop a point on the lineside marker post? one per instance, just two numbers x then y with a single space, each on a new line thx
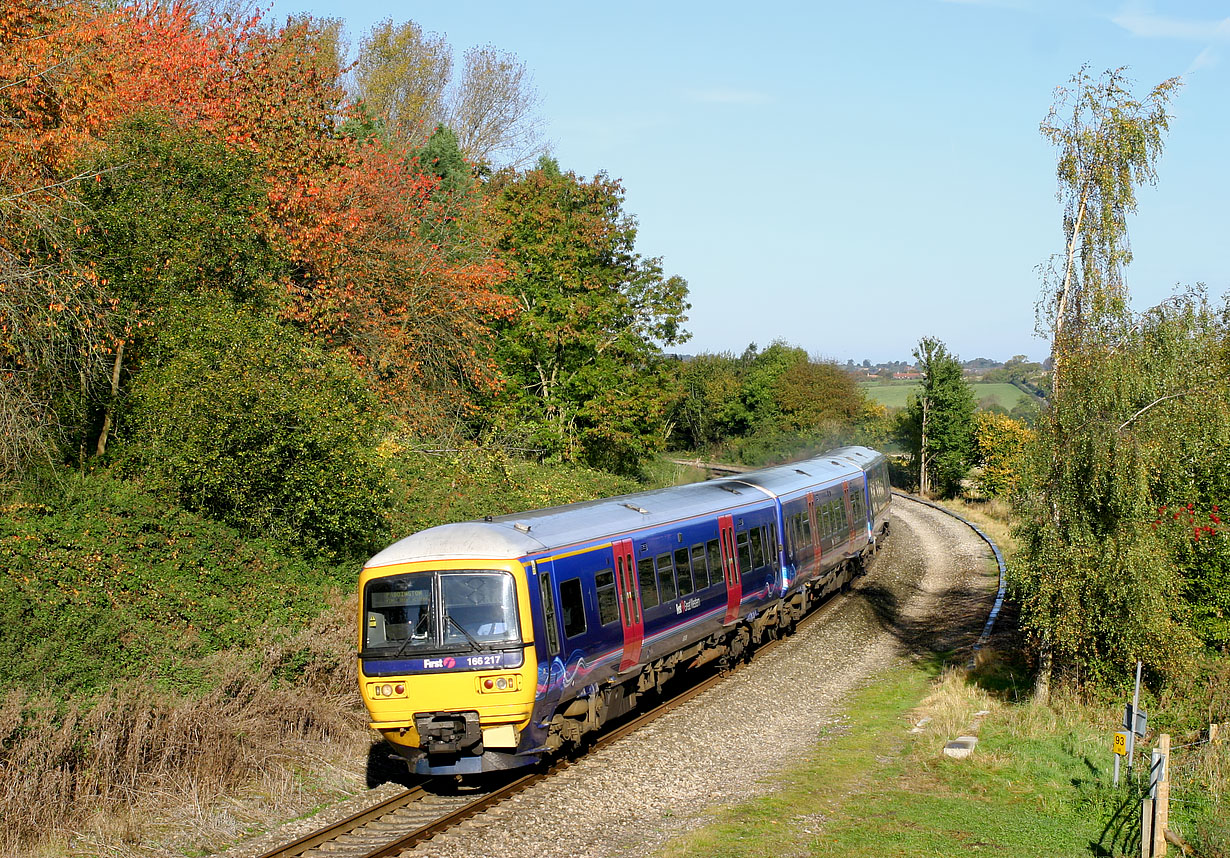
1118 749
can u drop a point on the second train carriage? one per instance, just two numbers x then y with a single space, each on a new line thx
485 645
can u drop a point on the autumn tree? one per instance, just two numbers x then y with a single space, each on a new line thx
811 393
53 313
401 75
939 421
587 378
1000 444
405 78
494 110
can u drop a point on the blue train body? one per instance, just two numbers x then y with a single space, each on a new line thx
610 598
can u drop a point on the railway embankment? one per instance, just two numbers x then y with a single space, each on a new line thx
1038 782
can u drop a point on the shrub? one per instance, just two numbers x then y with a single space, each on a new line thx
101 581
247 422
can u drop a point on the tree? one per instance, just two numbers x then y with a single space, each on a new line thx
1108 144
811 393
405 77
1092 591
494 109
709 408
169 214
999 450
401 75
940 421
246 420
587 378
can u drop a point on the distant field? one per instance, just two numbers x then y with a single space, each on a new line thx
894 394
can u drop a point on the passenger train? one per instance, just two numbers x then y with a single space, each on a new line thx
487 645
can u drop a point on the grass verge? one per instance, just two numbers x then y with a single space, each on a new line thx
880 785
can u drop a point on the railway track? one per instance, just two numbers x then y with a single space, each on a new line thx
411 817
416 815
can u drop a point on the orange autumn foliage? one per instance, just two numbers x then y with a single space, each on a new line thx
343 215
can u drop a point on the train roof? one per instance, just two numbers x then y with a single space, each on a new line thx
864 456
523 533
800 476
507 537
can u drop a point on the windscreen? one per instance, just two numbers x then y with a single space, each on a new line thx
427 611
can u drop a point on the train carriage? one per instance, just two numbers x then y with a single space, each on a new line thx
486 645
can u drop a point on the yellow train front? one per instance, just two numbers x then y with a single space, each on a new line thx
446 661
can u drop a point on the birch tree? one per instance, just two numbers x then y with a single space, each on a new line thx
1108 142
1087 577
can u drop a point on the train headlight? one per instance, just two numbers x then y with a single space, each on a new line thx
496 684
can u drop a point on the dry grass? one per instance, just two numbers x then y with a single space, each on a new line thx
994 516
144 771
950 710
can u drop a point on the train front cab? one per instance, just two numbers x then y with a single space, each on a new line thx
447 667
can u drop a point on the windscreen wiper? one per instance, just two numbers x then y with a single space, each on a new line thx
473 642
423 622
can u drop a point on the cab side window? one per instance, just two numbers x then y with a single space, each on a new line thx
572 607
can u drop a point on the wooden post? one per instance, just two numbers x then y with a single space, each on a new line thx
1214 740
1161 804
1146 827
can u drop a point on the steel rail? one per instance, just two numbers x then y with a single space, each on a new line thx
350 823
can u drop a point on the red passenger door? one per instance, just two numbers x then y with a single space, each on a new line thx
730 567
849 503
817 551
631 618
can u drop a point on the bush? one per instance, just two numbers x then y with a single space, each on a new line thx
247 422
101 580
469 484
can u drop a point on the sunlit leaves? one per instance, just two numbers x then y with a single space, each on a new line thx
583 352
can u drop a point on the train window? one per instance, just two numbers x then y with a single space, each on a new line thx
572 607
715 560
683 571
845 517
772 545
825 529
649 587
759 558
400 608
700 574
608 602
745 553
666 578
548 613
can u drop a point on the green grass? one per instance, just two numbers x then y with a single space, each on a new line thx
895 394
872 788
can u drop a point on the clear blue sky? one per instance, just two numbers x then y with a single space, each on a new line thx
850 177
